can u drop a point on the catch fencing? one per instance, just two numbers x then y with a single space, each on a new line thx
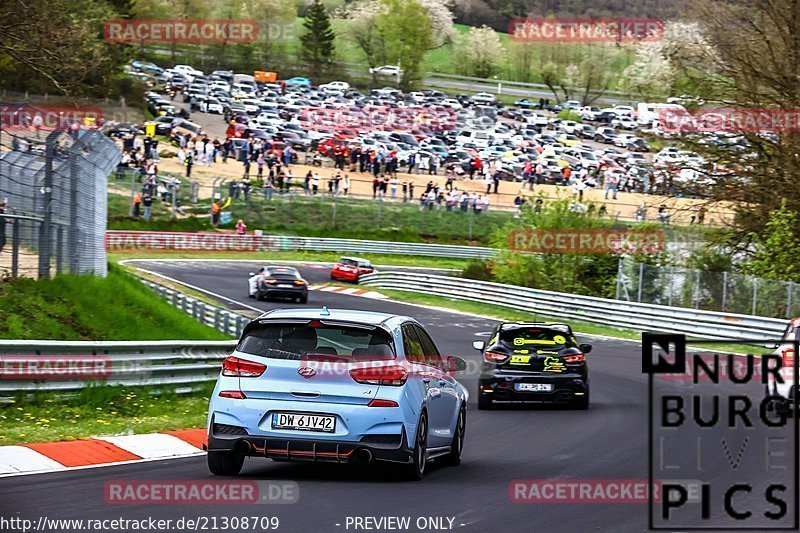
54 183
726 292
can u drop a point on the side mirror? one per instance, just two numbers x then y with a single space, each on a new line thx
455 364
585 348
478 345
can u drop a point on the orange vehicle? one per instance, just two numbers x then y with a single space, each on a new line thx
265 77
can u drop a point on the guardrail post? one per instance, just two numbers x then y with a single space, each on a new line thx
697 289
641 280
217 318
619 278
671 281
15 249
724 290
226 327
176 299
755 294
202 311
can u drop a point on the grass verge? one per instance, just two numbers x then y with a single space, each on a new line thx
102 410
117 307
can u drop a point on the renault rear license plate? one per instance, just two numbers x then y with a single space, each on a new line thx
304 422
534 387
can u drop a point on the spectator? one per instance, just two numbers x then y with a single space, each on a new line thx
147 203
346 185
189 162
268 189
663 215
611 182
641 212
393 187
137 205
241 227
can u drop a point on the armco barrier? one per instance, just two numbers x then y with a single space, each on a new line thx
629 315
122 241
129 363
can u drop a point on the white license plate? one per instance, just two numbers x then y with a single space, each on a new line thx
534 387
304 422
285 286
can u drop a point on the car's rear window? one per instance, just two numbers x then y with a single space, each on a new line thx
334 342
537 337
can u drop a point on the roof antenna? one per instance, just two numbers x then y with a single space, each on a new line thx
325 310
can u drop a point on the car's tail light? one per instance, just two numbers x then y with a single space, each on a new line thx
380 375
495 357
788 357
382 403
235 394
235 367
270 281
574 358
299 282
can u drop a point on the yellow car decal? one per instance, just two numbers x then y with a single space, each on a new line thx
519 341
553 364
545 352
523 351
559 339
520 359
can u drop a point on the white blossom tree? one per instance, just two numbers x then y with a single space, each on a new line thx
479 51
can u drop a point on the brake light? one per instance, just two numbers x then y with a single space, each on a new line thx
495 357
381 403
235 367
788 357
299 282
270 281
382 375
574 358
235 394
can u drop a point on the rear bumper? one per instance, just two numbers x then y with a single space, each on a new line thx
565 388
384 448
286 292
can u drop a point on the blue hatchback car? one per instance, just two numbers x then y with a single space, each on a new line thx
337 386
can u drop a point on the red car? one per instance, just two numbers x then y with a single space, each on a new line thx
350 268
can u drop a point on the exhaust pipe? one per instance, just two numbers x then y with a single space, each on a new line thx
243 447
363 456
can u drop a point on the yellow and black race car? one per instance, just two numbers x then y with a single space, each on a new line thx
533 363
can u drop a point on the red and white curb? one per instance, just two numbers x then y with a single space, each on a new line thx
352 291
66 455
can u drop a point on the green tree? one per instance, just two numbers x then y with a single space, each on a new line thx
777 247
317 43
404 27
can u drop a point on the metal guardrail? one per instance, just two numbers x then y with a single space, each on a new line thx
218 318
629 315
128 363
214 242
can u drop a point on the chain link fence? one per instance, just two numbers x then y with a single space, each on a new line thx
709 291
53 184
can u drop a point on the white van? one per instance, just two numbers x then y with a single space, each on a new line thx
481 139
649 114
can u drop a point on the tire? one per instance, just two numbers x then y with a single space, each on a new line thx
415 471
582 402
225 463
303 299
457 445
484 402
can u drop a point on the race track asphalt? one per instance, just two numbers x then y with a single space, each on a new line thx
609 441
